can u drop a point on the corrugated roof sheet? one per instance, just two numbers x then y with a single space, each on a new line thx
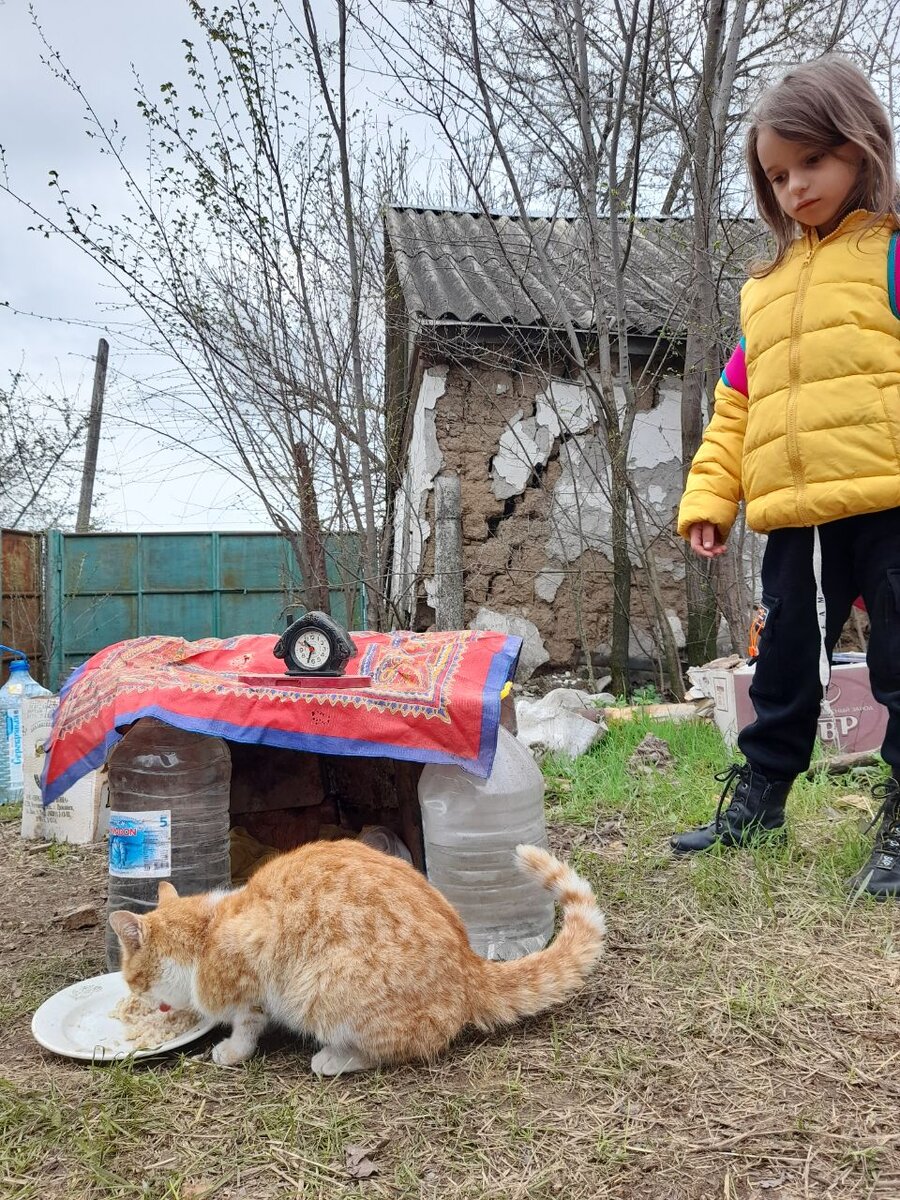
467 267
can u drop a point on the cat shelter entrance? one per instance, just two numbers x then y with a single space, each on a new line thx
283 798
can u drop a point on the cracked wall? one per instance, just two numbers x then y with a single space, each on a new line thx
412 528
535 486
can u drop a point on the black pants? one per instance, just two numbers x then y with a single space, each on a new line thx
860 556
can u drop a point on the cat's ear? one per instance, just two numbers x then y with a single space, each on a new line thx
129 928
166 892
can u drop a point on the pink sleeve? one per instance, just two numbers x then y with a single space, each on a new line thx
735 373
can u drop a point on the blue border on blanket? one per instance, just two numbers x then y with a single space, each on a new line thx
502 669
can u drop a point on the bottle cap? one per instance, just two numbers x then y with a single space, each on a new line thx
20 657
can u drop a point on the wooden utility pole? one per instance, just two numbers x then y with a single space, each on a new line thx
83 522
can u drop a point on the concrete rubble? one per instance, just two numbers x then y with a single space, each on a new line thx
566 720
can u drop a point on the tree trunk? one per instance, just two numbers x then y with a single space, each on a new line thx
702 611
621 616
314 564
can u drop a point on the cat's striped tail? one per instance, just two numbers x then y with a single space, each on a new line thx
506 991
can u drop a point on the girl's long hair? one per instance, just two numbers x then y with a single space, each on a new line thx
826 104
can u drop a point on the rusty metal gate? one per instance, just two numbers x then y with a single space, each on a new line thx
21 598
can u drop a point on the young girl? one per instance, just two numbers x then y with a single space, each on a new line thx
807 432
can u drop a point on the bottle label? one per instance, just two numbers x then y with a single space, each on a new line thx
14 747
140 845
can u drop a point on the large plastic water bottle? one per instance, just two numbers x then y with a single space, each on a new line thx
471 828
19 685
168 800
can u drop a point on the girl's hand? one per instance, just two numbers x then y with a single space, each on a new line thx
705 540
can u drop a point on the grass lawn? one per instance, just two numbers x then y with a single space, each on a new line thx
740 1039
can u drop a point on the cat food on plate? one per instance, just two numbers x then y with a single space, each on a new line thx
99 1020
148 1026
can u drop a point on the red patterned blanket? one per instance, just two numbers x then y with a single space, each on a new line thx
434 697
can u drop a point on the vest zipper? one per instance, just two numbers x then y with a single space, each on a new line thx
793 447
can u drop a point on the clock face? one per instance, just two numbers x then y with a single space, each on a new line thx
312 649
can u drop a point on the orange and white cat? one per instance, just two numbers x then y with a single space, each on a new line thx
340 942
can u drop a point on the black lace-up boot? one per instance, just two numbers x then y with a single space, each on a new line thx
880 877
755 813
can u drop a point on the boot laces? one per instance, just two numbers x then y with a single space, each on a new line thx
887 840
736 773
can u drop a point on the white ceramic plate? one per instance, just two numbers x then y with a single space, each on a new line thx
76 1023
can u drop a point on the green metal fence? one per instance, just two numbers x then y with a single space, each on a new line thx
102 588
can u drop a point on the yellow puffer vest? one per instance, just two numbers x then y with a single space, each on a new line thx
807 414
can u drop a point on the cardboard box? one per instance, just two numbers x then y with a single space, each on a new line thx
81 814
858 721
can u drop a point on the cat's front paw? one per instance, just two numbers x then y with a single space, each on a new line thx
230 1052
332 1061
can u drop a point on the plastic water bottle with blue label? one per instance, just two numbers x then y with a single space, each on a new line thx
19 685
140 845
169 793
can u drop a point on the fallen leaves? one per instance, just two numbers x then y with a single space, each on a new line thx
358 1162
853 800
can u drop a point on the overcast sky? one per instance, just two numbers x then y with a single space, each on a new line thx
42 128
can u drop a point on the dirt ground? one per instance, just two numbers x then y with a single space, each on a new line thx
735 1043
39 884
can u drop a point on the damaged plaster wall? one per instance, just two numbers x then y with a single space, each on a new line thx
534 481
423 461
528 441
580 515
524 448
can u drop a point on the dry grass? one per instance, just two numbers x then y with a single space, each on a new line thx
741 1039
